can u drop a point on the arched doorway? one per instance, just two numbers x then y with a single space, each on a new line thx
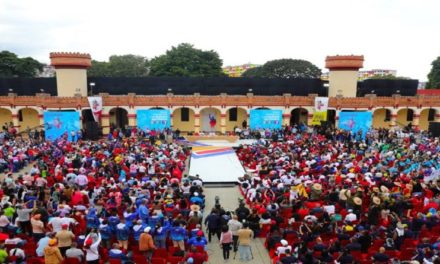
91 128
298 116
405 117
331 117
210 120
426 116
183 119
235 117
118 117
381 118
28 119
5 118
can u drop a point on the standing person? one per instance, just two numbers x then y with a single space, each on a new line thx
91 247
178 235
235 225
122 234
65 239
52 254
226 241
244 242
213 223
146 244
24 217
37 227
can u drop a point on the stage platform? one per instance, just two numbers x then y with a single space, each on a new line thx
215 160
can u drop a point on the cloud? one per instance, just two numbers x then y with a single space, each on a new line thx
396 34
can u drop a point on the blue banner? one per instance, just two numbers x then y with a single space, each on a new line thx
153 119
60 123
356 121
266 119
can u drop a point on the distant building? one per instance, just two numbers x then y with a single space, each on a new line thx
363 75
237 71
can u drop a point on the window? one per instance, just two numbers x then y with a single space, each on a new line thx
20 116
184 114
409 115
431 115
233 114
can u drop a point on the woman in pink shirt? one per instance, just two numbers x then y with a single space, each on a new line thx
226 241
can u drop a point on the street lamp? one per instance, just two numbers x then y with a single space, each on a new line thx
92 84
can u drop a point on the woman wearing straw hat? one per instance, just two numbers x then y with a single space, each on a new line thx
316 191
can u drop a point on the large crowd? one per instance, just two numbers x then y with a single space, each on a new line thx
122 199
314 195
329 196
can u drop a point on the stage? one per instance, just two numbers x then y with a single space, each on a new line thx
215 159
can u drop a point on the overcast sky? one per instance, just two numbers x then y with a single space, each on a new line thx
392 34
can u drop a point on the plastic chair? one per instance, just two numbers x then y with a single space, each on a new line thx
140 259
71 261
174 260
160 252
115 261
158 261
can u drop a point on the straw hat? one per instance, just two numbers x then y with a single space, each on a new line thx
375 189
357 201
344 194
376 200
195 207
317 186
384 189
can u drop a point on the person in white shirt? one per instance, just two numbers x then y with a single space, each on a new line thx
350 217
284 246
91 244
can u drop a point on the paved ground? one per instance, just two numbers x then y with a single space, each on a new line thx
229 200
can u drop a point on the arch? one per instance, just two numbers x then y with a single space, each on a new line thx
28 119
298 116
404 117
427 115
381 118
118 117
210 119
235 117
5 117
91 129
183 119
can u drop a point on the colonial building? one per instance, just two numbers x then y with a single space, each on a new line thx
231 109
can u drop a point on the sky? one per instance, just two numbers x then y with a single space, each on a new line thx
402 35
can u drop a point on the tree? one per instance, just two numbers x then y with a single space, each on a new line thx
187 61
286 69
120 66
253 72
13 66
434 75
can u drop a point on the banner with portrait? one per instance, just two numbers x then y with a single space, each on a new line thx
95 103
153 119
356 121
61 123
321 107
265 119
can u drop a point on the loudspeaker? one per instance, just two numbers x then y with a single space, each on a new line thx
92 131
434 129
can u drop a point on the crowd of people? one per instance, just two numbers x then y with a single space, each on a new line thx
123 199
327 196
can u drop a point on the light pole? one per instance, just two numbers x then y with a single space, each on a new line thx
92 84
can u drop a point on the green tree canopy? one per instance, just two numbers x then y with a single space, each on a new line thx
253 72
286 68
120 66
434 75
187 61
13 66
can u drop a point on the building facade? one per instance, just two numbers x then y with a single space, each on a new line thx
189 111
